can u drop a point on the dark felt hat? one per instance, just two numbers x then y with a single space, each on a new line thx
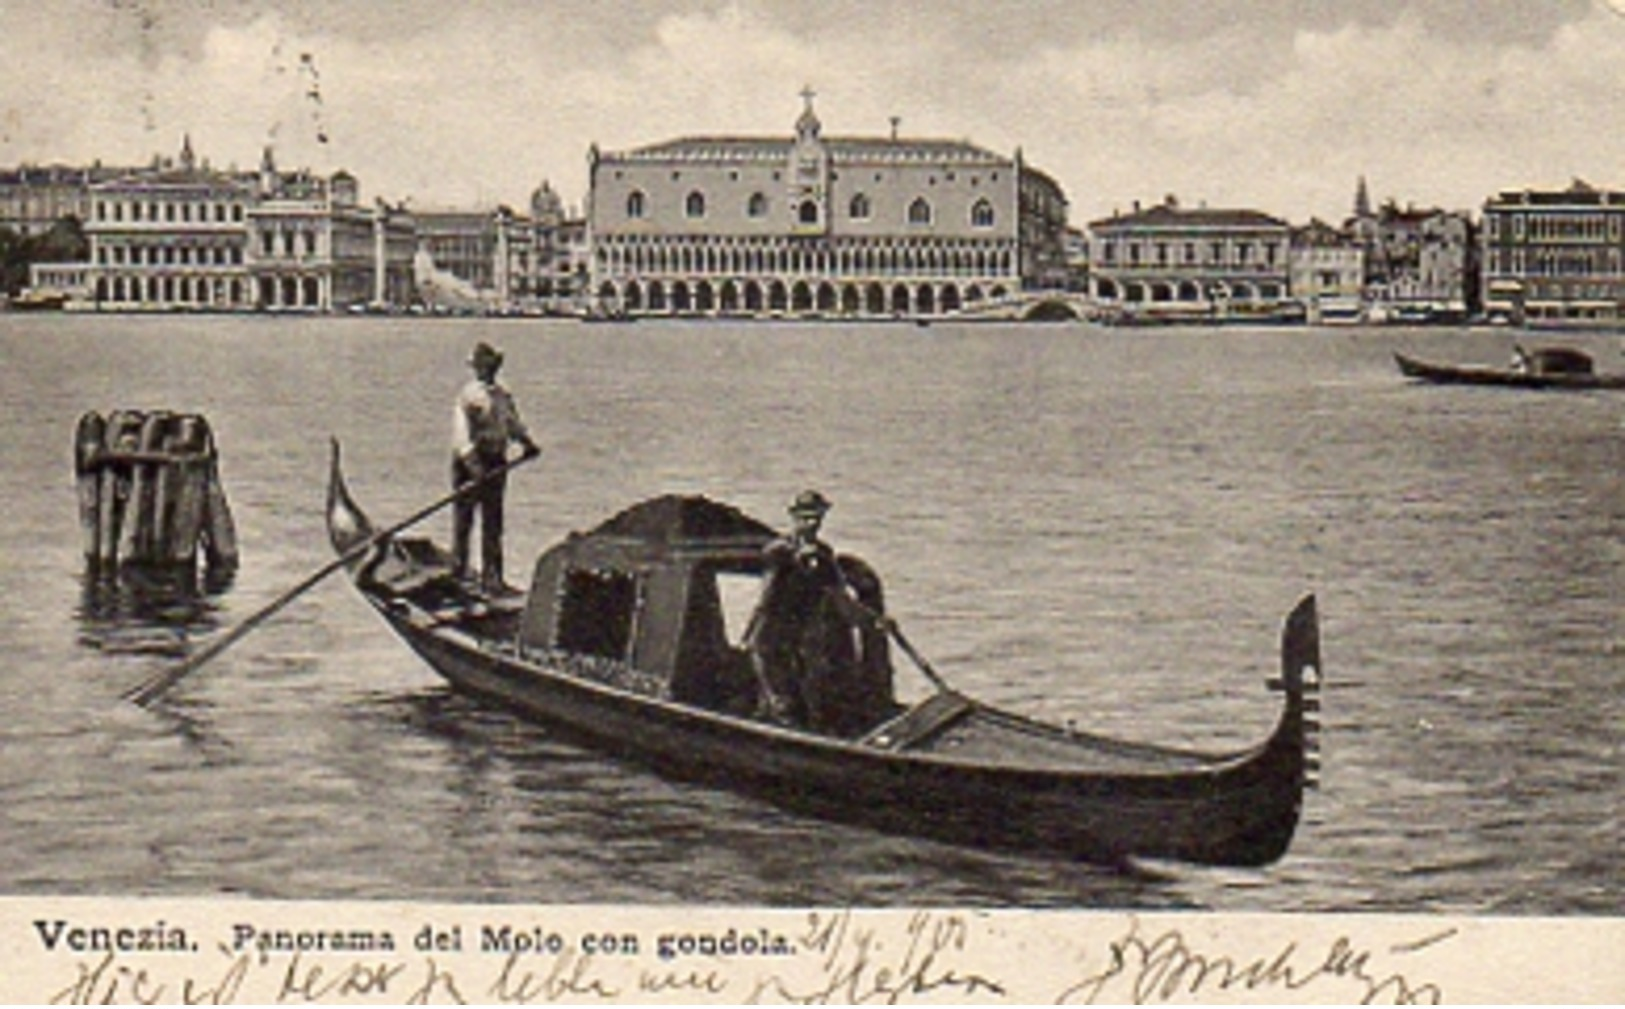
809 502
485 354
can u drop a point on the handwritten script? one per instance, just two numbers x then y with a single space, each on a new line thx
849 957
1149 966
859 964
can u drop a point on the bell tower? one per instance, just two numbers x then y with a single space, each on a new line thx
807 174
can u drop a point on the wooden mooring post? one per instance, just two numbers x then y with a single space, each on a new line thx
150 493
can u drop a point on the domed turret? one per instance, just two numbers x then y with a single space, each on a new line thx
346 192
545 206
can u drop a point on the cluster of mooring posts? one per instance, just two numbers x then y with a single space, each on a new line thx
150 493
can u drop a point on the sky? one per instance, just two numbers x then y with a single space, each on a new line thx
1273 105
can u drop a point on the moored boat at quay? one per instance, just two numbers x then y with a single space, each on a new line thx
623 643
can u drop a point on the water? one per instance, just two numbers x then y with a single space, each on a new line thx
1083 524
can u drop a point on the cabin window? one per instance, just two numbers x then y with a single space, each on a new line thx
738 595
596 613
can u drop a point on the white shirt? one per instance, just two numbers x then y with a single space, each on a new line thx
484 420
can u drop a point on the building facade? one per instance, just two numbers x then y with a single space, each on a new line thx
174 235
1175 262
1555 257
462 243
563 257
814 225
1420 263
1327 272
499 260
183 236
33 198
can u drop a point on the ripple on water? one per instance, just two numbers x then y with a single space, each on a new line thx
1082 524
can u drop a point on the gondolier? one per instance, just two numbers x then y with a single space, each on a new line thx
485 422
800 634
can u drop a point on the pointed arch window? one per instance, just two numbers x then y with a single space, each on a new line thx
919 212
757 205
861 208
809 212
981 215
694 206
637 205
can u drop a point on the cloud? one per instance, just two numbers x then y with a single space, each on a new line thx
1267 104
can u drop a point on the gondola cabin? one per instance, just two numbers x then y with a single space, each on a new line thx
663 593
1558 361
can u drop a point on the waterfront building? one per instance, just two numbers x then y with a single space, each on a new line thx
563 256
314 248
1169 261
500 260
1043 231
818 225
69 282
513 277
33 198
181 235
291 254
174 235
477 260
1555 257
1076 251
1419 262
1327 272
462 243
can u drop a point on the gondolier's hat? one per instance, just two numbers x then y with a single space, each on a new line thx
809 502
485 355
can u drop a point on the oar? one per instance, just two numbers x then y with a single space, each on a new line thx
155 685
890 627
919 660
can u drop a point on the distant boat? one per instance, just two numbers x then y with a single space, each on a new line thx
1555 368
1339 312
607 315
38 301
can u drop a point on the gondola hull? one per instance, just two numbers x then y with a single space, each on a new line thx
949 769
1440 374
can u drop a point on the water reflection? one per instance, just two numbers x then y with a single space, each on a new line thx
192 722
148 611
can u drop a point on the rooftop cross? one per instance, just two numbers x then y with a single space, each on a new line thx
807 124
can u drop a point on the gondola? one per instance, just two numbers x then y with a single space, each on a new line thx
1532 378
625 643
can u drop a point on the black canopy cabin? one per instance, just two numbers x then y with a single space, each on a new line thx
663 593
